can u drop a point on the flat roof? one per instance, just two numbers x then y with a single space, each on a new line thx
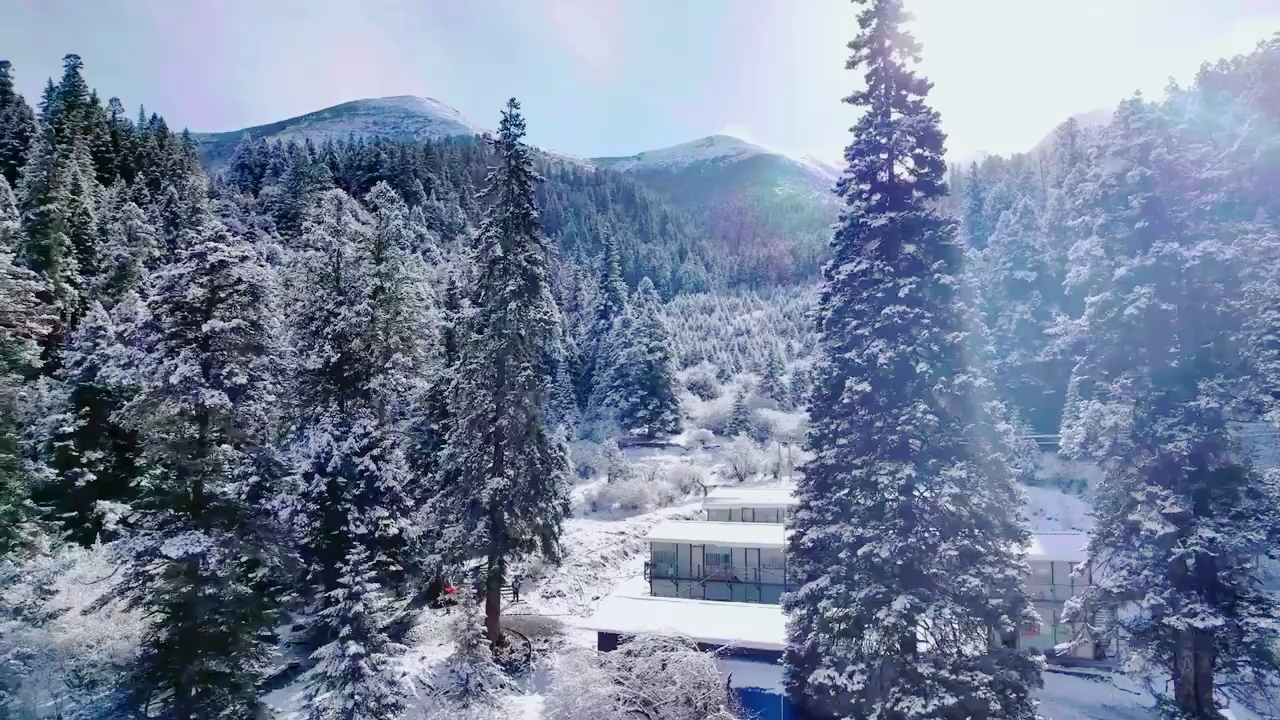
1058 546
725 534
728 496
756 626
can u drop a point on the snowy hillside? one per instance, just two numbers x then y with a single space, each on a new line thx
714 149
401 117
728 158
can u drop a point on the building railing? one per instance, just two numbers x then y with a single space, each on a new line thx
1055 591
719 573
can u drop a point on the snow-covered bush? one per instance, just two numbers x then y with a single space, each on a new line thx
701 381
687 478
785 426
701 438
743 459
641 491
586 458
709 414
658 678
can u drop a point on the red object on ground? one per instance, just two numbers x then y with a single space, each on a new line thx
451 589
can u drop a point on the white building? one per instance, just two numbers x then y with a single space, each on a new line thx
727 561
1059 572
749 504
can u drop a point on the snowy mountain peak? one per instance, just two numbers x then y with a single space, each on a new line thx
713 148
399 117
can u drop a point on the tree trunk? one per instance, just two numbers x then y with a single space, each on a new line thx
493 610
1193 658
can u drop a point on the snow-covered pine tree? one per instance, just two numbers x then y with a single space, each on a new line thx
17 126
355 676
507 493
329 316
907 539
644 388
44 197
131 246
93 457
357 316
23 322
1022 294
1182 518
472 682
401 331
739 421
772 385
429 419
974 208
198 561
601 344
563 413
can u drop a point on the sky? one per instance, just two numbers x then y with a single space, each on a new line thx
616 77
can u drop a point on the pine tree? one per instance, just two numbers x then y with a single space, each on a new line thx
739 421
17 126
507 494
1022 299
23 322
974 209
1182 518
354 677
94 458
358 323
771 381
328 309
601 345
48 250
400 331
131 247
473 680
198 561
248 165
906 539
644 388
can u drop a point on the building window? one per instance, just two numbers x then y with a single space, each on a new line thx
717 562
663 559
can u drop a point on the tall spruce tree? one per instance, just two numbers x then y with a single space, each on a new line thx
1022 296
354 677
605 334
17 126
24 320
507 493
95 460
1182 518
357 321
644 389
198 561
906 540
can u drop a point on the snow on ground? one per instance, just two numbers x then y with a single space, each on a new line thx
1050 509
1099 697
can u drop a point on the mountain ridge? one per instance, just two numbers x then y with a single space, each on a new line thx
399 117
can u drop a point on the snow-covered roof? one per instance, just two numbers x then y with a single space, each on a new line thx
753 497
1058 546
724 534
757 626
